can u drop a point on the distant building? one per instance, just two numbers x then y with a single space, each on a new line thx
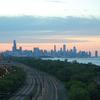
14 48
64 48
18 52
60 49
37 52
1 57
89 53
96 53
74 52
54 48
20 48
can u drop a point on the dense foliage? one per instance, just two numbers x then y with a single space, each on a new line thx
81 80
2 72
11 82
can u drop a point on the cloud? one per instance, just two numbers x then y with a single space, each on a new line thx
38 27
52 41
56 1
29 23
60 8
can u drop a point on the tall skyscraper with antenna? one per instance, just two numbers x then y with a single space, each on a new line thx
14 46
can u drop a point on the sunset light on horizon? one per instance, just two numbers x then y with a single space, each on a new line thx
87 46
44 23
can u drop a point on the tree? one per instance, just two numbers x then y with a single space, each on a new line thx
78 93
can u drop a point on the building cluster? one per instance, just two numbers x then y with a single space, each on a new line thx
18 52
38 53
62 53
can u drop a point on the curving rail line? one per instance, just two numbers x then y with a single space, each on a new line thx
39 86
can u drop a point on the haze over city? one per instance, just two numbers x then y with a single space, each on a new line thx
63 21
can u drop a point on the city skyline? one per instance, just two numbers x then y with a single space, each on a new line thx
49 46
84 32
49 22
56 48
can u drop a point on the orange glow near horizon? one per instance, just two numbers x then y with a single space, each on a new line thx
92 45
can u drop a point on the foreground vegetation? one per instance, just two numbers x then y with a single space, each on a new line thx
11 82
81 80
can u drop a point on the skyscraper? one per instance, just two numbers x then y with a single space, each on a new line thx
37 52
64 48
89 53
74 52
14 48
54 48
20 48
96 53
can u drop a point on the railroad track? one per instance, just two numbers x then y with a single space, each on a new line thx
39 85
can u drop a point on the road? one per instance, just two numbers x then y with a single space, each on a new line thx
39 86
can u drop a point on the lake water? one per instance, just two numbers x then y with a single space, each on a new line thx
80 60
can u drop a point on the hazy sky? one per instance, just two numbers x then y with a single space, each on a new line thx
84 8
76 22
